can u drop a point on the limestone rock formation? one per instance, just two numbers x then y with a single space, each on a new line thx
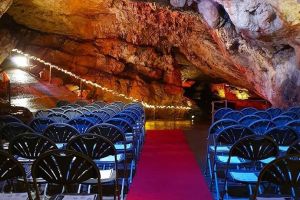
133 46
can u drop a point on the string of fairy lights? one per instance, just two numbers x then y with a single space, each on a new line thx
83 80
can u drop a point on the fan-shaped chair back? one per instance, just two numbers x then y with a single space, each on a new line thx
93 118
73 113
40 124
220 113
220 125
65 168
260 127
60 132
249 111
274 112
102 114
109 131
94 146
282 120
283 135
43 113
249 119
263 115
295 124
123 124
30 145
5 119
254 148
81 124
294 148
283 172
58 117
11 130
232 134
234 115
290 114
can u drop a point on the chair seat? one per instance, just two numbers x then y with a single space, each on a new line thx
129 138
244 176
122 146
236 160
111 158
220 148
107 175
74 196
5 146
283 148
61 145
13 196
25 160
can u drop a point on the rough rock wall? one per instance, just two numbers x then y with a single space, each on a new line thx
253 44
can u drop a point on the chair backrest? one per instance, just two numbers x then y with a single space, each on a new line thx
57 110
120 104
263 114
82 103
254 148
295 109
274 112
260 127
92 117
126 116
73 113
30 145
294 148
220 113
91 108
60 132
102 114
84 110
232 134
58 117
100 103
281 120
43 113
123 124
94 146
81 124
295 124
5 119
10 169
249 110
283 172
40 124
249 119
65 168
109 131
283 135
220 125
10 130
234 115
136 115
291 114
111 110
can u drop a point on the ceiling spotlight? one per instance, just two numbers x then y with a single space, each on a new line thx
20 61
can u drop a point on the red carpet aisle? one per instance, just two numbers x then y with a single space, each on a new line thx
168 170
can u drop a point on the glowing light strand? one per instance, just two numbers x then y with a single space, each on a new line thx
146 105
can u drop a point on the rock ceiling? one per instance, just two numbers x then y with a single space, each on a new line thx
145 49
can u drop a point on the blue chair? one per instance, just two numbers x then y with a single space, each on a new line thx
111 110
73 113
295 124
295 109
260 127
280 178
223 143
81 124
58 110
40 124
263 115
234 115
249 119
60 132
99 103
249 111
220 113
102 114
281 120
290 114
274 112
10 130
91 108
74 106
58 117
284 136
43 113
84 110
294 148
92 117
256 151
5 119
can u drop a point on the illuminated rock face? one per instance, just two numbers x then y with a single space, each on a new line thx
132 46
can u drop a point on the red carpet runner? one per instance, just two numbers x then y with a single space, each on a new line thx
168 170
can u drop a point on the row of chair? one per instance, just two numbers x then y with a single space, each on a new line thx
237 144
121 129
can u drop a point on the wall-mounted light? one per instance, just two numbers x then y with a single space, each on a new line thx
20 61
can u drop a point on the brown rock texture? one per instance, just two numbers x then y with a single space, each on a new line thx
133 46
